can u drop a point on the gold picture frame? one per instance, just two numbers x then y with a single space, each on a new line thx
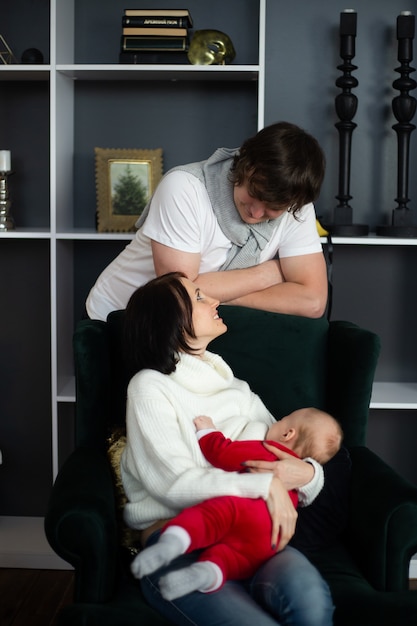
125 180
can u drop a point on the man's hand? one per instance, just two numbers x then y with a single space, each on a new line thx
283 514
292 472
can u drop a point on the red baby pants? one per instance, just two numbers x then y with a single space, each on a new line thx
234 532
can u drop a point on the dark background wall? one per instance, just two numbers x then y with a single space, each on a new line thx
374 286
302 56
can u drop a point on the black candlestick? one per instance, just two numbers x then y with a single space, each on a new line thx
346 104
404 108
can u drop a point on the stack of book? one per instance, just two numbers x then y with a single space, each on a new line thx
155 35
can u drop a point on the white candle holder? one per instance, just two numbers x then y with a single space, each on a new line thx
6 220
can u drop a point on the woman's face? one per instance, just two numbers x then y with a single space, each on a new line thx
206 321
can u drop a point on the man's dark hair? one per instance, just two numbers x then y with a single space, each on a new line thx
281 165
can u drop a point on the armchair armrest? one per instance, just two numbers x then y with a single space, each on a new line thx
80 523
383 521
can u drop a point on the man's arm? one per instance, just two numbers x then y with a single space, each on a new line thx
224 286
296 285
303 291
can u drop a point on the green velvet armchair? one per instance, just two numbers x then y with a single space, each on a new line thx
362 546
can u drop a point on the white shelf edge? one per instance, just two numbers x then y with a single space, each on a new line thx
93 235
33 233
398 395
141 71
25 67
25 233
373 240
138 67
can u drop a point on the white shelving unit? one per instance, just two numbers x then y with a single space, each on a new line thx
62 73
385 395
61 76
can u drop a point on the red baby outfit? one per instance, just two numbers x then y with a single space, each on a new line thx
234 532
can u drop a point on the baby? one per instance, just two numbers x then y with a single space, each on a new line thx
233 532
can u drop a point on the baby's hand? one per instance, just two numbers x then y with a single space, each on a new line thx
202 422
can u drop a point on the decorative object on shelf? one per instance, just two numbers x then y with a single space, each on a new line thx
125 180
157 18
346 104
403 222
320 228
150 32
32 56
177 57
211 47
6 55
6 220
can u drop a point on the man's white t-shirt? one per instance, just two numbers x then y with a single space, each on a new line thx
181 217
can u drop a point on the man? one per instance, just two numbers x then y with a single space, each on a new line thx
241 224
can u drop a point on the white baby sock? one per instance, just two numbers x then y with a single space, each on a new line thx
202 576
173 542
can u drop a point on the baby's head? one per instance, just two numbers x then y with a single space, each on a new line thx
308 432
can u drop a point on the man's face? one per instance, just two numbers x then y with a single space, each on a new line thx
251 210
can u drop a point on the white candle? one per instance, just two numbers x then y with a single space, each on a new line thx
5 161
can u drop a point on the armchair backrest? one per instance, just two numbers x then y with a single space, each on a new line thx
290 361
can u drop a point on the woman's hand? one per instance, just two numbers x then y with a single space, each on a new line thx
283 514
292 472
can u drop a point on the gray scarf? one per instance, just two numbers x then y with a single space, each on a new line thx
248 240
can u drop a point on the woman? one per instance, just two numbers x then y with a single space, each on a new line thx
169 324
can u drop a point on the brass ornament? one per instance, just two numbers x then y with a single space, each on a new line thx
211 47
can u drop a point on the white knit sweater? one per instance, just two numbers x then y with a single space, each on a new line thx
163 469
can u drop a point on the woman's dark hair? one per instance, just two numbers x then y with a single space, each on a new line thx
158 319
281 165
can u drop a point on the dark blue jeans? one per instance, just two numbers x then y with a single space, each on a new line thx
287 590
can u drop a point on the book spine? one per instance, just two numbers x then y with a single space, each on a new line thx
154 43
158 12
154 57
152 22
156 32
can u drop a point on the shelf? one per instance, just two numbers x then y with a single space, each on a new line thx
160 72
25 233
72 235
25 72
93 235
394 396
373 240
